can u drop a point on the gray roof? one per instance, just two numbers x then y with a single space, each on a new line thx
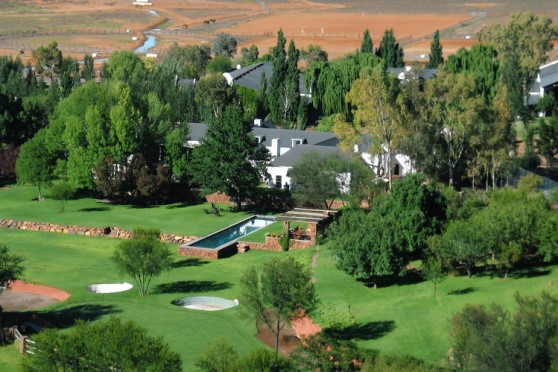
287 135
251 76
295 154
549 74
198 131
425 73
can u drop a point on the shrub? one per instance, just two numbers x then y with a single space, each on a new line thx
529 183
284 242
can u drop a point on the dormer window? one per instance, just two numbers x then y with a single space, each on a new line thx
296 141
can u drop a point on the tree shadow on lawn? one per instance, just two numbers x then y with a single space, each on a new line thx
189 262
186 286
410 277
463 291
526 270
365 331
94 209
66 317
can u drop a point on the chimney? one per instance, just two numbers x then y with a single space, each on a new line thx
257 122
276 147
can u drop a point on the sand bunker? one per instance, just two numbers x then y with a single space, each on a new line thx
109 288
205 303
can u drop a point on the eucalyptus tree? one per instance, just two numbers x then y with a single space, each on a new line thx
523 41
379 114
453 110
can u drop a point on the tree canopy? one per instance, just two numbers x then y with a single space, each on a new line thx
143 257
113 344
11 267
226 160
282 289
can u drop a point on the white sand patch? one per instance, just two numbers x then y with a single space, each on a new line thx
205 303
109 288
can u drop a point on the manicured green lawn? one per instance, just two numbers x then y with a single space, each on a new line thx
406 319
191 220
73 262
400 319
275 228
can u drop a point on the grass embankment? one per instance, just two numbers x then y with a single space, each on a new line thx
73 262
399 319
407 319
16 203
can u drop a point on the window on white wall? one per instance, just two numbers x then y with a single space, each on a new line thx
278 181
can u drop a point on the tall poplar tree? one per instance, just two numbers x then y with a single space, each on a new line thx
276 85
367 46
435 58
390 50
292 89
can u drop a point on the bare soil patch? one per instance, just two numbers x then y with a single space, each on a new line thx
24 296
335 25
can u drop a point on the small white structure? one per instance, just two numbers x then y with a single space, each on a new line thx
142 2
109 288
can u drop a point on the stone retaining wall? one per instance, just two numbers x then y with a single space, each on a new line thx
111 232
272 244
218 197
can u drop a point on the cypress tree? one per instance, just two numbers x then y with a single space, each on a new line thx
302 115
390 51
367 46
277 86
292 89
435 58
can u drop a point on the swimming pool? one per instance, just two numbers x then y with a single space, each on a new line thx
232 232
223 242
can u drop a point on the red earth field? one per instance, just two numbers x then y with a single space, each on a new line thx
334 25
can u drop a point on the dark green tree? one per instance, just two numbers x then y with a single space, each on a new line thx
548 139
367 46
282 290
277 92
113 344
493 339
143 257
224 160
463 243
11 267
87 71
380 243
292 87
34 164
390 50
436 56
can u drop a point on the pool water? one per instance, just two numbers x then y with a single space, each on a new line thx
233 232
